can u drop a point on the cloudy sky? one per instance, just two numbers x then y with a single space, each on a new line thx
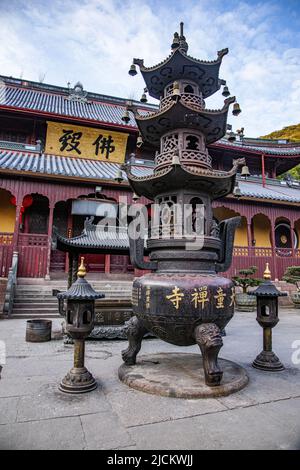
94 41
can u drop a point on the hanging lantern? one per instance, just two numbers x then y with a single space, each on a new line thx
13 200
27 201
236 109
135 197
125 118
132 70
226 91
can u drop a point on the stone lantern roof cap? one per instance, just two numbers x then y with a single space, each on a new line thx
267 289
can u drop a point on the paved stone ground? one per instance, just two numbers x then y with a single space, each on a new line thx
35 415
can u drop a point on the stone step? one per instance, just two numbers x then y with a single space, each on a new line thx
33 315
35 305
42 310
51 299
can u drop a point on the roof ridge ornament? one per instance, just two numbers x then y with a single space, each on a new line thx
78 93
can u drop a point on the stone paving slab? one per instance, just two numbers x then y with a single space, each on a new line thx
242 428
165 409
8 410
33 414
104 431
51 403
52 434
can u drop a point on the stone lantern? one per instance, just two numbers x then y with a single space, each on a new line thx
267 316
78 307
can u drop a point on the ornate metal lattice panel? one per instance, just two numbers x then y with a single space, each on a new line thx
170 142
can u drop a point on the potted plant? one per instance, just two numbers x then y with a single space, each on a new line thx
292 276
245 302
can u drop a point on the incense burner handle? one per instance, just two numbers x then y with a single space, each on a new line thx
137 255
227 231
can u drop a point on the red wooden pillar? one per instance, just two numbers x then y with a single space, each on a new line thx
249 235
263 170
50 228
107 264
292 239
69 235
17 226
273 243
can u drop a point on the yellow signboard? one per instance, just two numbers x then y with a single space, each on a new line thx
85 142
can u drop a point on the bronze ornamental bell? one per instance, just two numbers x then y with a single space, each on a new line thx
139 141
143 98
226 91
176 92
125 118
245 172
119 176
237 191
132 70
236 109
231 136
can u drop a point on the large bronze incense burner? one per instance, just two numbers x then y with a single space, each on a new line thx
183 300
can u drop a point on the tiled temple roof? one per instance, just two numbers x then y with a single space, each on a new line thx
270 148
40 98
53 165
52 100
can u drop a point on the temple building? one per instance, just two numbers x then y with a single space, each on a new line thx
61 157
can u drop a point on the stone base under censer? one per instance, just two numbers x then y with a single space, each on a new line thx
180 376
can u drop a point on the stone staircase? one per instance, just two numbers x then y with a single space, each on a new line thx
35 299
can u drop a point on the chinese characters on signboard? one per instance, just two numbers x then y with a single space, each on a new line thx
85 142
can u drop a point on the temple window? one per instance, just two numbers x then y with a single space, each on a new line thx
198 225
169 90
188 89
192 142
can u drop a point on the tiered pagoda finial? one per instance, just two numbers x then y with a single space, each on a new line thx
182 125
179 41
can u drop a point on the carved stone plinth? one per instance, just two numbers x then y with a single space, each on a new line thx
78 380
267 360
180 376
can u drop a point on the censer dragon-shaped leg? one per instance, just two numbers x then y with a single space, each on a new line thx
208 337
135 333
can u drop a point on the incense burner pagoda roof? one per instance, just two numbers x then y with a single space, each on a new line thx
179 65
32 164
212 123
216 183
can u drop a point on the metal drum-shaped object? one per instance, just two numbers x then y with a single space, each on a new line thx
38 331
172 305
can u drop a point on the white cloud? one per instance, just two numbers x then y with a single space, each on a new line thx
94 41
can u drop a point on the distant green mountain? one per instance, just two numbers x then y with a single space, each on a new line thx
291 133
